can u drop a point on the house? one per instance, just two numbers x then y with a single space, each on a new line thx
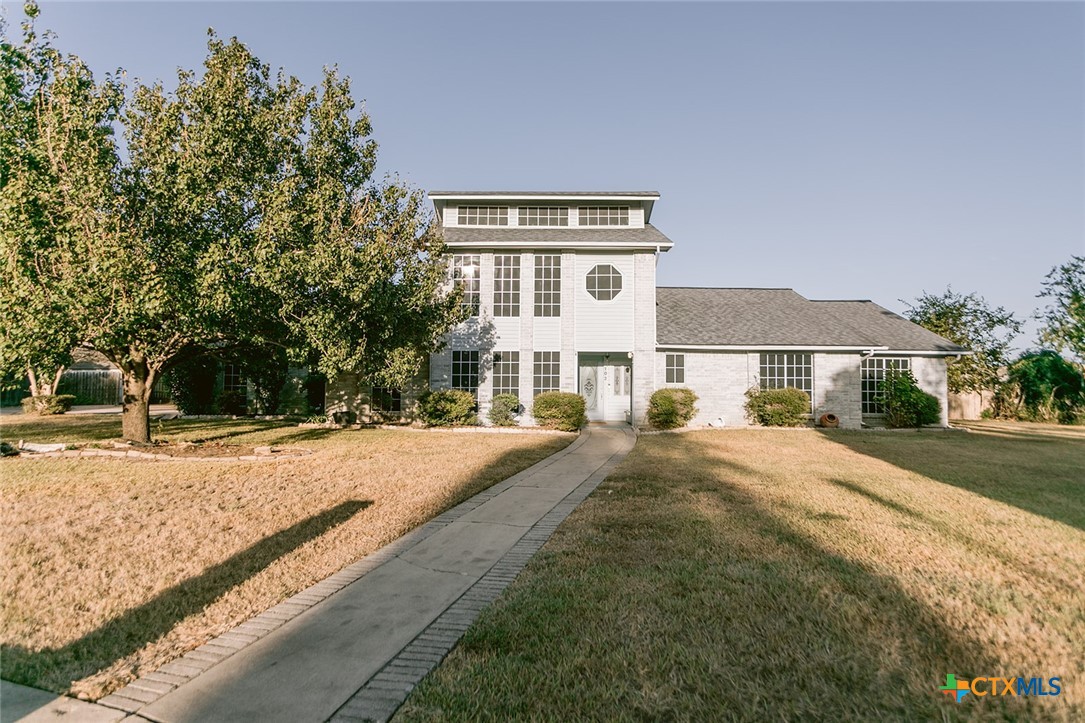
561 291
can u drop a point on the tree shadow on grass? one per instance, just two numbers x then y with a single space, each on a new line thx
134 628
756 617
1033 472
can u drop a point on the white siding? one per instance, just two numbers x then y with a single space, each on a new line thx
547 332
604 326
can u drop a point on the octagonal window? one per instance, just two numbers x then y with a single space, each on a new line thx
604 282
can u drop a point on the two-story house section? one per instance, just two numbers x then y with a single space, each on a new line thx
562 295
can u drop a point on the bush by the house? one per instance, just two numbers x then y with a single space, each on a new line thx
445 407
503 410
48 404
786 407
905 404
671 408
559 410
232 401
192 385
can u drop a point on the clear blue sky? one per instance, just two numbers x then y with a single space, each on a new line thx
846 150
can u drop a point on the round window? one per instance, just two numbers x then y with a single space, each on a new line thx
604 282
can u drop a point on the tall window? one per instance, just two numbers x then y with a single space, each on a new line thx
543 216
506 372
788 370
547 285
465 274
386 399
547 372
604 282
233 381
873 374
465 370
483 216
623 381
676 369
604 215
506 285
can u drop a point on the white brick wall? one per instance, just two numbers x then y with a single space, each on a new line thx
838 388
930 374
644 333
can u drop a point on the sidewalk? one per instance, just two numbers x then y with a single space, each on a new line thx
352 647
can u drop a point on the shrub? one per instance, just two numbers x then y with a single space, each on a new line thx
47 404
905 404
232 402
445 407
786 407
559 410
192 385
671 407
503 410
1042 387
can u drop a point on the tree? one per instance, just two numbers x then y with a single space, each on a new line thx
54 176
1064 319
969 321
1042 386
243 213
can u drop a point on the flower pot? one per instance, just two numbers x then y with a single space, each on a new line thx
829 420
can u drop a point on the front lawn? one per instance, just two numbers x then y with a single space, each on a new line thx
113 567
795 575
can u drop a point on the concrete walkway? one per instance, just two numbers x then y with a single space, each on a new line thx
352 647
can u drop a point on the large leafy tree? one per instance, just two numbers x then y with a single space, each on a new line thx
1064 318
243 213
56 170
968 320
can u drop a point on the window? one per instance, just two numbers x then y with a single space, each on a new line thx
547 285
507 372
623 381
233 381
547 371
465 274
604 215
543 216
483 216
604 282
386 399
873 373
507 285
788 370
465 370
676 369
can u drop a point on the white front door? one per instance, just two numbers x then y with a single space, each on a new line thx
606 388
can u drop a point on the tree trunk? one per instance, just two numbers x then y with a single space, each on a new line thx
135 416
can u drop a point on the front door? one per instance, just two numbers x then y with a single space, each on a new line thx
607 387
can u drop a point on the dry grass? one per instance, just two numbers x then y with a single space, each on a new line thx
792 575
112 567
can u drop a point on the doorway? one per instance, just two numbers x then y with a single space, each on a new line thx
606 383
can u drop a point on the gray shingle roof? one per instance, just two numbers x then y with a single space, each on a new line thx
647 236
781 317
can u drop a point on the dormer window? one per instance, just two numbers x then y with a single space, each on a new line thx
544 216
604 215
483 216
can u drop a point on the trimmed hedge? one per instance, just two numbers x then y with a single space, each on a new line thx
559 410
446 407
786 407
47 404
671 407
905 404
503 410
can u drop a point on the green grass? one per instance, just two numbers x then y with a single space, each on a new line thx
793 575
112 567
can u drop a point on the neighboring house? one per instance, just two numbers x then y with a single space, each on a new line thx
561 288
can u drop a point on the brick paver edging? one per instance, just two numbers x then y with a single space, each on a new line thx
151 686
383 694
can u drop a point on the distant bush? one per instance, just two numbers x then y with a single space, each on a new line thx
786 407
1042 387
559 410
47 404
905 404
671 407
445 407
503 410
